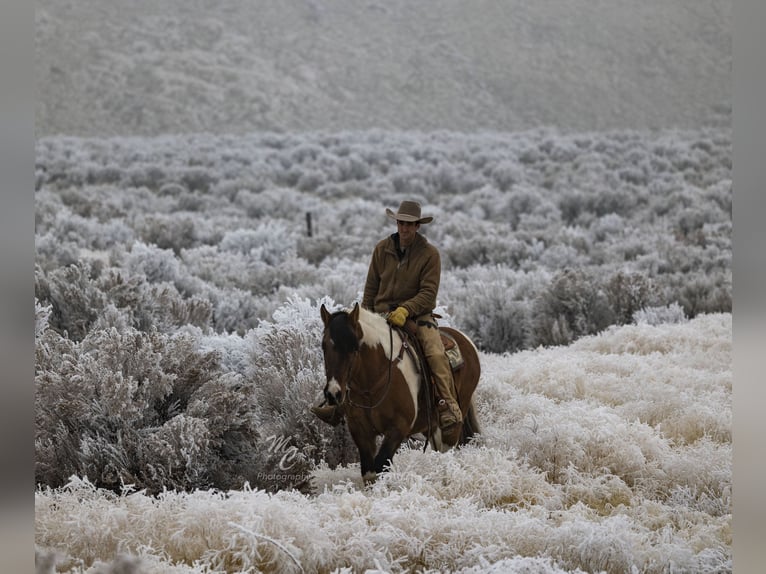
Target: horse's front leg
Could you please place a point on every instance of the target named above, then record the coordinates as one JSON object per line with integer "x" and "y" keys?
{"x": 392, "y": 440}
{"x": 364, "y": 439}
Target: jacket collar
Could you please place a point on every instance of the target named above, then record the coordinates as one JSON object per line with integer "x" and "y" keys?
{"x": 416, "y": 243}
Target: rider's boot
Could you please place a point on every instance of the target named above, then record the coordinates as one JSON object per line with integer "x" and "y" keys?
{"x": 450, "y": 415}
{"x": 331, "y": 414}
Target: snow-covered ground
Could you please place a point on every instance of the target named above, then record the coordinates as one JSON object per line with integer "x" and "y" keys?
{"x": 611, "y": 454}
{"x": 177, "y": 292}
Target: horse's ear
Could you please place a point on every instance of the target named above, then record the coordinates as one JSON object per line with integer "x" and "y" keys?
{"x": 355, "y": 313}
{"x": 325, "y": 314}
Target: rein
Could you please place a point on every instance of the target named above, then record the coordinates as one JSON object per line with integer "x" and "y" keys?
{"x": 387, "y": 389}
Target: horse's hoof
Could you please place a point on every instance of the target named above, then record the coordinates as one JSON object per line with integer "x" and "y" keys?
{"x": 369, "y": 478}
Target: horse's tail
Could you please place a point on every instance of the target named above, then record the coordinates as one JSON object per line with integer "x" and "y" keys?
{"x": 470, "y": 424}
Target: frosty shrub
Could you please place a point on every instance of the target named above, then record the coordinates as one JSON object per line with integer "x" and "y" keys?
{"x": 607, "y": 226}
{"x": 78, "y": 201}
{"x": 505, "y": 174}
{"x": 287, "y": 372}
{"x": 605, "y": 201}
{"x": 74, "y": 298}
{"x": 573, "y": 305}
{"x": 217, "y": 269}
{"x": 51, "y": 252}
{"x": 571, "y": 204}
{"x": 341, "y": 280}
{"x": 484, "y": 249}
{"x": 672, "y": 313}
{"x": 149, "y": 177}
{"x": 162, "y": 307}
{"x": 157, "y": 264}
{"x": 149, "y": 306}
{"x": 521, "y": 201}
{"x": 700, "y": 293}
{"x": 167, "y": 232}
{"x": 627, "y": 293}
{"x": 147, "y": 409}
{"x": 48, "y": 205}
{"x": 317, "y": 248}
{"x": 193, "y": 201}
{"x": 271, "y": 242}
{"x": 496, "y": 323}
{"x": 236, "y": 310}
{"x": 42, "y": 316}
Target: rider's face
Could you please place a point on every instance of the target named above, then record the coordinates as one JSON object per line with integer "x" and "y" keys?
{"x": 407, "y": 231}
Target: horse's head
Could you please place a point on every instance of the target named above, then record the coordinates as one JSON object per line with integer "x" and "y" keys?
{"x": 340, "y": 344}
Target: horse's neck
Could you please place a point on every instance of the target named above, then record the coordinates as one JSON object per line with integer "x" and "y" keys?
{"x": 377, "y": 332}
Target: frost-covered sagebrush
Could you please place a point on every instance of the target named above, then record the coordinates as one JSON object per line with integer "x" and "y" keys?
{"x": 177, "y": 287}
{"x": 612, "y": 454}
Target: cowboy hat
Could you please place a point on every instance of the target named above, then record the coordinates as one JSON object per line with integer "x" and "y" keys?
{"x": 409, "y": 211}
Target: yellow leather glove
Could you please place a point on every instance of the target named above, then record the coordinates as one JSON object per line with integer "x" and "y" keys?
{"x": 398, "y": 316}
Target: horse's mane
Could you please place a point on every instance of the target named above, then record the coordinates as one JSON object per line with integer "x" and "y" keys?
{"x": 374, "y": 330}
{"x": 343, "y": 337}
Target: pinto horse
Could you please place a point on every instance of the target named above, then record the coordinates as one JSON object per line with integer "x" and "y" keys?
{"x": 380, "y": 386}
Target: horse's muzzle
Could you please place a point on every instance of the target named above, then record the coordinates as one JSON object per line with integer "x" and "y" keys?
{"x": 332, "y": 393}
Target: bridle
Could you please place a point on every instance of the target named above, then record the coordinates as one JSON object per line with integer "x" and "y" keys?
{"x": 386, "y": 390}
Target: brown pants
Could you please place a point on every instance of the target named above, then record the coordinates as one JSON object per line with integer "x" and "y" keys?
{"x": 433, "y": 349}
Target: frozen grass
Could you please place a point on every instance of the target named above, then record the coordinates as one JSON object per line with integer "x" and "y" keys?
{"x": 612, "y": 454}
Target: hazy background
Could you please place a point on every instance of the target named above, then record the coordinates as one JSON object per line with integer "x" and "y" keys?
{"x": 146, "y": 68}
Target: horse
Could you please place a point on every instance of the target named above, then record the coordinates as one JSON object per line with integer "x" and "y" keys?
{"x": 380, "y": 387}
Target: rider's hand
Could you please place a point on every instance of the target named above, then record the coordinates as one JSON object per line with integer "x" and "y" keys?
{"x": 398, "y": 316}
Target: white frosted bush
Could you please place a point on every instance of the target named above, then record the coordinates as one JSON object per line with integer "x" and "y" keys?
{"x": 236, "y": 310}
{"x": 269, "y": 242}
{"x": 672, "y": 313}
{"x": 561, "y": 256}
{"x": 42, "y": 316}
{"x": 608, "y": 225}
{"x": 610, "y": 454}
{"x": 156, "y": 264}
{"x": 51, "y": 252}
{"x": 218, "y": 269}
{"x": 573, "y": 305}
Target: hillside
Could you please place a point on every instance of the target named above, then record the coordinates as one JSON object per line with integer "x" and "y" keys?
{"x": 180, "y": 66}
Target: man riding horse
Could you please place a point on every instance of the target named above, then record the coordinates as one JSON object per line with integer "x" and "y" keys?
{"x": 402, "y": 282}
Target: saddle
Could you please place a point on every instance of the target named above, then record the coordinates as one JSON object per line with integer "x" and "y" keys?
{"x": 451, "y": 348}
{"x": 453, "y": 351}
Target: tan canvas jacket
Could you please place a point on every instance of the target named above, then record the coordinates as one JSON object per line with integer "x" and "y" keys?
{"x": 411, "y": 283}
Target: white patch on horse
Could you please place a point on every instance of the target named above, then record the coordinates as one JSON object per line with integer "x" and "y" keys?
{"x": 407, "y": 367}
{"x": 333, "y": 387}
{"x": 377, "y": 332}
{"x": 437, "y": 443}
